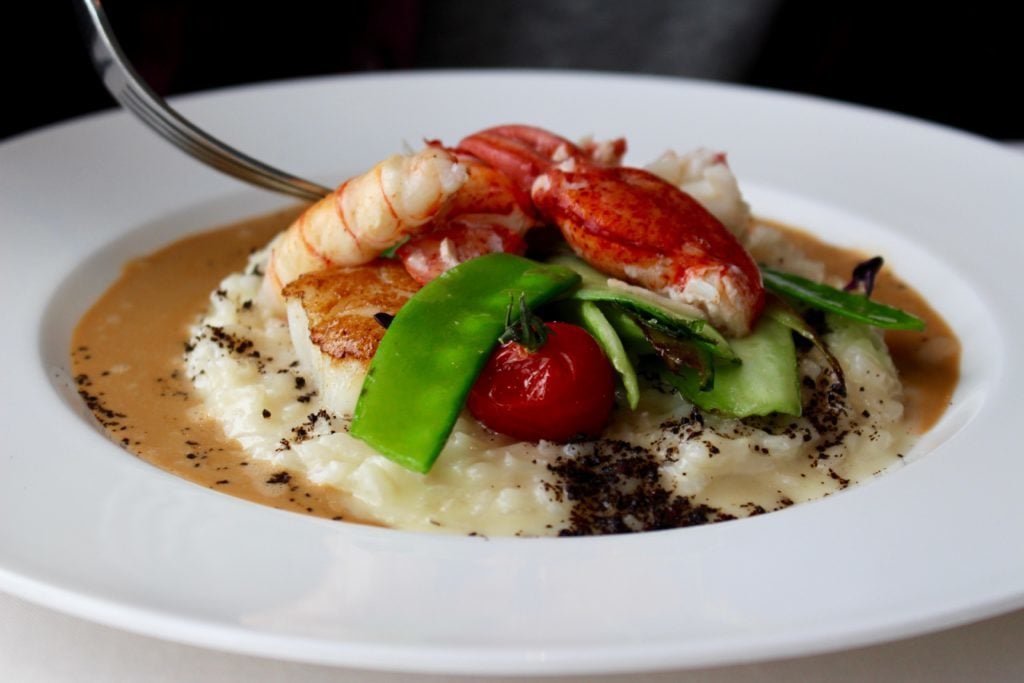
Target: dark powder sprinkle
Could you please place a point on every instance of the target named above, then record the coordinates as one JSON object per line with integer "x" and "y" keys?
{"x": 266, "y": 413}
{"x": 307, "y": 430}
{"x": 230, "y": 342}
{"x": 279, "y": 478}
{"x": 615, "y": 488}
{"x": 842, "y": 481}
{"x": 106, "y": 416}
{"x": 824, "y": 404}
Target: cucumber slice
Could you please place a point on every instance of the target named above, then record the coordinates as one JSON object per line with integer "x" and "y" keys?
{"x": 765, "y": 382}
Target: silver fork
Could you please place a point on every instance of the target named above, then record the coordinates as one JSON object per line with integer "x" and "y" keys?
{"x": 134, "y": 95}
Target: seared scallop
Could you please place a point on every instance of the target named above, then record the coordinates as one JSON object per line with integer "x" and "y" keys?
{"x": 331, "y": 318}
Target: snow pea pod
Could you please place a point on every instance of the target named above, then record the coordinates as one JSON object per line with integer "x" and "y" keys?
{"x": 849, "y": 305}
{"x": 436, "y": 346}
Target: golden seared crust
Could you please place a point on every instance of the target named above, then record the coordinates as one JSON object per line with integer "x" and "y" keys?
{"x": 340, "y": 304}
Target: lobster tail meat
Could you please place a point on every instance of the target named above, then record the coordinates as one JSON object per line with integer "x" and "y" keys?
{"x": 628, "y": 222}
{"x": 634, "y": 226}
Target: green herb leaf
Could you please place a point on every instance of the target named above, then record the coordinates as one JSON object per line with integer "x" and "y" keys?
{"x": 392, "y": 251}
{"x": 853, "y": 306}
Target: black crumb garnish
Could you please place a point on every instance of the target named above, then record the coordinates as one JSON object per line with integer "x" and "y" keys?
{"x": 279, "y": 478}
{"x": 615, "y": 487}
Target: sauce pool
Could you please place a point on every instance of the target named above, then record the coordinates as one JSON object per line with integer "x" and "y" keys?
{"x": 127, "y": 359}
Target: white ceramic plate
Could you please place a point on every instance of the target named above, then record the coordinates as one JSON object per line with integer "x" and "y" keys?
{"x": 87, "y": 529}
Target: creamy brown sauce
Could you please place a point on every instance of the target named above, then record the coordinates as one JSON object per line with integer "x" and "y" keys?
{"x": 127, "y": 358}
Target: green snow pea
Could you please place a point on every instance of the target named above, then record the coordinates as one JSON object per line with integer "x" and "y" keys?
{"x": 590, "y": 316}
{"x": 847, "y": 304}
{"x": 436, "y": 346}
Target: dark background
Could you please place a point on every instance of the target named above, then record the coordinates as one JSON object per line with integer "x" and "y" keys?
{"x": 959, "y": 65}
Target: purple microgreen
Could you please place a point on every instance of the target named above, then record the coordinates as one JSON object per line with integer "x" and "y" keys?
{"x": 864, "y": 275}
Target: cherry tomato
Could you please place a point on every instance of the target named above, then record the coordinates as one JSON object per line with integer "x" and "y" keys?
{"x": 563, "y": 390}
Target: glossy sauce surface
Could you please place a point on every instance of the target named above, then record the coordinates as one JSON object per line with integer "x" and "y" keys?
{"x": 127, "y": 358}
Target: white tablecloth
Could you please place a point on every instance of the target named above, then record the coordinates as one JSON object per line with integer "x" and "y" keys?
{"x": 37, "y": 644}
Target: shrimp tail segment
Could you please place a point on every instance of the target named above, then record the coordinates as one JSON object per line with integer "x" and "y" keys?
{"x": 366, "y": 215}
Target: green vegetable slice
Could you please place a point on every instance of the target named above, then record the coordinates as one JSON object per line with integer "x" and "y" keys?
{"x": 436, "y": 346}
{"x": 783, "y": 314}
{"x": 593, "y": 319}
{"x": 765, "y": 382}
{"x": 651, "y": 308}
{"x": 630, "y": 333}
{"x": 854, "y": 306}
{"x": 683, "y": 356}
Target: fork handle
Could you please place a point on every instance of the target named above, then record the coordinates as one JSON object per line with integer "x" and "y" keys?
{"x": 128, "y": 88}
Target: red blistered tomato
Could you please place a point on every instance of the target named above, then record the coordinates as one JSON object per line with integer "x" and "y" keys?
{"x": 562, "y": 391}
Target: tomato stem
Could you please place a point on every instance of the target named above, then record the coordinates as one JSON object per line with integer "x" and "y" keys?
{"x": 528, "y": 330}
